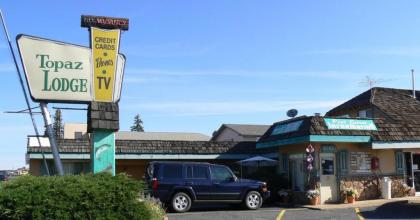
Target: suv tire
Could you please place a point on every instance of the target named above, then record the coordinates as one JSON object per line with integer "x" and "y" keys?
{"x": 253, "y": 200}
{"x": 181, "y": 202}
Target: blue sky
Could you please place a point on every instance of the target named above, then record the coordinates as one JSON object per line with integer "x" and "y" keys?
{"x": 193, "y": 65}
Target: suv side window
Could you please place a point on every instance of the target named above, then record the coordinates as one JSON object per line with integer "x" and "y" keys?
{"x": 172, "y": 171}
{"x": 220, "y": 173}
{"x": 197, "y": 172}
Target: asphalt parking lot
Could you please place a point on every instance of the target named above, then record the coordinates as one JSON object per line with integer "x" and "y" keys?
{"x": 393, "y": 210}
{"x": 225, "y": 212}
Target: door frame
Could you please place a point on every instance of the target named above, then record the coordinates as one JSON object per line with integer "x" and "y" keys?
{"x": 334, "y": 189}
{"x": 417, "y": 193}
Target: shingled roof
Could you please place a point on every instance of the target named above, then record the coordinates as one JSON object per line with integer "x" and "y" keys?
{"x": 315, "y": 125}
{"x": 398, "y": 104}
{"x": 162, "y": 136}
{"x": 243, "y": 129}
{"x": 155, "y": 147}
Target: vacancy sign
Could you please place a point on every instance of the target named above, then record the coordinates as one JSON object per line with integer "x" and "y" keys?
{"x": 105, "y": 45}
{"x": 62, "y": 72}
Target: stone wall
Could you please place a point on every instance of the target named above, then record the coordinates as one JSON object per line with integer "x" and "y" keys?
{"x": 369, "y": 187}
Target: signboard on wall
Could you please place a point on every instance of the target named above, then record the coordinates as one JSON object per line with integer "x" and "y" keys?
{"x": 103, "y": 152}
{"x": 350, "y": 124}
{"x": 61, "y": 72}
{"x": 360, "y": 162}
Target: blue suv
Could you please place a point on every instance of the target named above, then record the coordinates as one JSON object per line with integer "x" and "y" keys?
{"x": 180, "y": 184}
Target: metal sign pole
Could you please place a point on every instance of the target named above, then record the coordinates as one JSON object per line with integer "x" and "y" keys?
{"x": 24, "y": 91}
{"x": 50, "y": 132}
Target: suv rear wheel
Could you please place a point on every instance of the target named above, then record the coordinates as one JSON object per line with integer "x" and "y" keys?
{"x": 253, "y": 200}
{"x": 181, "y": 202}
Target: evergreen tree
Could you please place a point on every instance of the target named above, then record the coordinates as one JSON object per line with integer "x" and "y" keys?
{"x": 138, "y": 124}
{"x": 58, "y": 125}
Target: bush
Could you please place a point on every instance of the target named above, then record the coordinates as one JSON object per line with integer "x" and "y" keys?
{"x": 99, "y": 196}
{"x": 155, "y": 206}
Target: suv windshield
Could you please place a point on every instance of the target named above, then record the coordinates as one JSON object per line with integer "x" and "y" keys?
{"x": 220, "y": 173}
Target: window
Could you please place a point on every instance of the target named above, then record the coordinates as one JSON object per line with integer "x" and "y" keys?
{"x": 327, "y": 165}
{"x": 366, "y": 113}
{"x": 399, "y": 162}
{"x": 200, "y": 172}
{"x": 78, "y": 135}
{"x": 189, "y": 172}
{"x": 342, "y": 162}
{"x": 172, "y": 171}
{"x": 197, "y": 172}
{"x": 220, "y": 173}
{"x": 286, "y": 128}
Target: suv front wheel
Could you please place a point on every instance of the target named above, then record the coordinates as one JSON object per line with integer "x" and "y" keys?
{"x": 253, "y": 200}
{"x": 181, "y": 202}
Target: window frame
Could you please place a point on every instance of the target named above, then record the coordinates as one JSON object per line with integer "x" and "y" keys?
{"x": 220, "y": 166}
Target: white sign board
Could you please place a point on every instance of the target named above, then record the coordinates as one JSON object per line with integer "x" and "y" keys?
{"x": 61, "y": 72}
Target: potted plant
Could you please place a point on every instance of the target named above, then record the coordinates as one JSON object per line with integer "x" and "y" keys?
{"x": 313, "y": 196}
{"x": 351, "y": 195}
{"x": 284, "y": 195}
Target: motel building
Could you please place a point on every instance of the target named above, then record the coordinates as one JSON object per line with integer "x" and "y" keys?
{"x": 372, "y": 138}
{"x": 374, "y": 135}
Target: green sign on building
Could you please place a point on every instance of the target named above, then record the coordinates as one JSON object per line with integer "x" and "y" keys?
{"x": 350, "y": 124}
{"x": 103, "y": 152}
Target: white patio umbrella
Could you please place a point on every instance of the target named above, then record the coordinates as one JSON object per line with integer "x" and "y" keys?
{"x": 257, "y": 161}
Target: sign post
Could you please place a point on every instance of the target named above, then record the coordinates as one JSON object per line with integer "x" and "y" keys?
{"x": 51, "y": 136}
{"x": 103, "y": 111}
{"x": 309, "y": 159}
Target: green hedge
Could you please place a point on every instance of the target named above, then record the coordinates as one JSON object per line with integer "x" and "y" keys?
{"x": 100, "y": 196}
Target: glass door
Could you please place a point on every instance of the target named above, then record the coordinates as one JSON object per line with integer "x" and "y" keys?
{"x": 416, "y": 171}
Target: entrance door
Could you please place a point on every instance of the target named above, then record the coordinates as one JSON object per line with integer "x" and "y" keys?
{"x": 328, "y": 178}
{"x": 297, "y": 174}
{"x": 416, "y": 172}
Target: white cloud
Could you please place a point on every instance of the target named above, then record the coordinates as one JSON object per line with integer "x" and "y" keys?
{"x": 229, "y": 107}
{"x": 391, "y": 51}
{"x": 159, "y": 73}
{"x": 166, "y": 50}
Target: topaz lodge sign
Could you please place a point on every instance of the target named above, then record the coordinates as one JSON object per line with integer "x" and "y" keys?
{"x": 61, "y": 72}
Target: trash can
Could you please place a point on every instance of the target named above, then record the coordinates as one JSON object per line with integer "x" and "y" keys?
{"x": 386, "y": 187}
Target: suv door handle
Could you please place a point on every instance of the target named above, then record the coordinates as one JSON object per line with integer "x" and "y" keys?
{"x": 188, "y": 183}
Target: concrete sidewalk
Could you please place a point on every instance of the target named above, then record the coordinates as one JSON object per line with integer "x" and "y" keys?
{"x": 365, "y": 203}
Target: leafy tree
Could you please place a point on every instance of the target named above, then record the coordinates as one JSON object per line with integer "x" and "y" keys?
{"x": 138, "y": 124}
{"x": 58, "y": 124}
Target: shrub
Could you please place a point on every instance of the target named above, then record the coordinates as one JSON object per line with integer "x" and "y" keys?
{"x": 155, "y": 206}
{"x": 99, "y": 196}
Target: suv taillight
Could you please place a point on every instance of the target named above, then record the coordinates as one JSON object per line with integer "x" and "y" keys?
{"x": 155, "y": 184}
{"x": 264, "y": 187}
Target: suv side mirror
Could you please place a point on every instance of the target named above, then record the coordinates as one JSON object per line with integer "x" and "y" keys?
{"x": 233, "y": 179}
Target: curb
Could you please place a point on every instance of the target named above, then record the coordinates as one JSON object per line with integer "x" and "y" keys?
{"x": 354, "y": 205}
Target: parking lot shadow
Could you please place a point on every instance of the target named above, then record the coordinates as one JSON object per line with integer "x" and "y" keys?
{"x": 204, "y": 207}
{"x": 393, "y": 210}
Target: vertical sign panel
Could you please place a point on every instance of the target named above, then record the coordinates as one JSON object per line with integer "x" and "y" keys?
{"x": 105, "y": 46}
{"x": 103, "y": 152}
